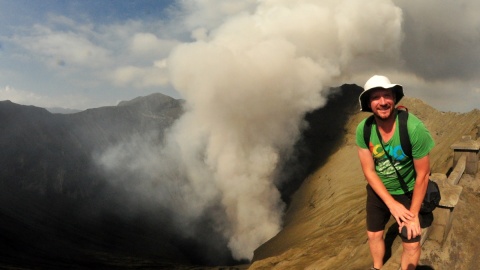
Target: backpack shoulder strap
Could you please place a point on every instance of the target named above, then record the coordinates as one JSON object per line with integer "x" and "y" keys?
{"x": 367, "y": 130}
{"x": 404, "y": 138}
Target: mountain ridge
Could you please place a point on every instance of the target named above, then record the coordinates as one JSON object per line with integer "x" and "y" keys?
{"x": 57, "y": 209}
{"x": 54, "y": 196}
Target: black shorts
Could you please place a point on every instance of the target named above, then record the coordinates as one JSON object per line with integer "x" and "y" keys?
{"x": 378, "y": 213}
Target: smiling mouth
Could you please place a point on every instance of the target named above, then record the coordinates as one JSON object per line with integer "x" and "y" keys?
{"x": 384, "y": 109}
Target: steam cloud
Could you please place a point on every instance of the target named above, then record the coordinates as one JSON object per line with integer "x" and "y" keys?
{"x": 247, "y": 85}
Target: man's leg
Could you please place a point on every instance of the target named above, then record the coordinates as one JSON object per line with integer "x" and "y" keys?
{"x": 410, "y": 255}
{"x": 377, "y": 247}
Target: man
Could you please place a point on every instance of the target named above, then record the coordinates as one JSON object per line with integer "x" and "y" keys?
{"x": 385, "y": 195}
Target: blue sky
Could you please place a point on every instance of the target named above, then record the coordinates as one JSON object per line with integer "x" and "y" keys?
{"x": 88, "y": 53}
{"x": 100, "y": 11}
{"x": 65, "y": 53}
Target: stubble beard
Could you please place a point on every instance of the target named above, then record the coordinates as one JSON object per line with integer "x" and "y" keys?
{"x": 382, "y": 116}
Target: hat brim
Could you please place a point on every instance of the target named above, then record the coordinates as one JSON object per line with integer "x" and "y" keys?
{"x": 365, "y": 96}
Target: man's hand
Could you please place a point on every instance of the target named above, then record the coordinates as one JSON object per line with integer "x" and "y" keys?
{"x": 413, "y": 228}
{"x": 400, "y": 213}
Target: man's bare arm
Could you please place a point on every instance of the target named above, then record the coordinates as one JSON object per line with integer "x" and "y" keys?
{"x": 399, "y": 212}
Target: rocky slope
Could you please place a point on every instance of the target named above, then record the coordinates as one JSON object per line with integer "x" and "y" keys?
{"x": 325, "y": 223}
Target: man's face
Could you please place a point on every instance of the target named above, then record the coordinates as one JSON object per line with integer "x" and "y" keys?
{"x": 382, "y": 102}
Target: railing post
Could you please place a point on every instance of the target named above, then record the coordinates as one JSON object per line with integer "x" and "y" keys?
{"x": 443, "y": 215}
{"x": 470, "y": 148}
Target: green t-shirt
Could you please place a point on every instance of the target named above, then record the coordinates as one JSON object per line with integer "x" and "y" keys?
{"x": 421, "y": 141}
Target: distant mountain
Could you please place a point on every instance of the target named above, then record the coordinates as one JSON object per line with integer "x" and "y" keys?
{"x": 62, "y": 110}
{"x": 56, "y": 209}
{"x": 51, "y": 153}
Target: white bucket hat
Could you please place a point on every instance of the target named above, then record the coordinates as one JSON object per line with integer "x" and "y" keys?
{"x": 378, "y": 81}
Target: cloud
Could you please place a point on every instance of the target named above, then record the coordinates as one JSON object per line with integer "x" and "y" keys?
{"x": 438, "y": 43}
{"x": 444, "y": 93}
{"x": 140, "y": 77}
{"x": 441, "y": 39}
{"x": 148, "y": 65}
{"x": 148, "y": 44}
{"x": 31, "y": 98}
{"x": 112, "y": 59}
{"x": 208, "y": 14}
{"x": 68, "y": 47}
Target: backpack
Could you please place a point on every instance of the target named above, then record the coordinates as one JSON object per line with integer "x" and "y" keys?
{"x": 402, "y": 113}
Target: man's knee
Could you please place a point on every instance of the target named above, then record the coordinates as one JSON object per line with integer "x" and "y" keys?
{"x": 375, "y": 235}
{"x": 411, "y": 248}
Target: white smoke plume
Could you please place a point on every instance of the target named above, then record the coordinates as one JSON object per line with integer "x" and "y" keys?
{"x": 248, "y": 83}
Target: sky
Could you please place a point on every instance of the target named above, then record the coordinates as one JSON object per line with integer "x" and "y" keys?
{"x": 248, "y": 71}
{"x": 83, "y": 54}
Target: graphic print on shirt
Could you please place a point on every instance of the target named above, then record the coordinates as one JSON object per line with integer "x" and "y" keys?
{"x": 382, "y": 163}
